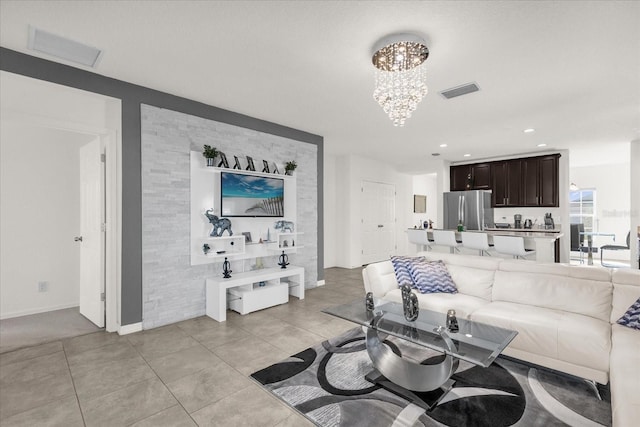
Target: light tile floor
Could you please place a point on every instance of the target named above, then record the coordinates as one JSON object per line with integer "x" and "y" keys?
{"x": 195, "y": 372}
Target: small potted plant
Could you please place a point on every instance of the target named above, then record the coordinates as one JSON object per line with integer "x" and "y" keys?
{"x": 210, "y": 153}
{"x": 289, "y": 167}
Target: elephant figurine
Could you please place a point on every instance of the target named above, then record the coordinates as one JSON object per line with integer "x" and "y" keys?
{"x": 219, "y": 224}
{"x": 284, "y": 226}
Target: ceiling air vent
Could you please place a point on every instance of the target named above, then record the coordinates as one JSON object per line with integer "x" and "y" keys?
{"x": 460, "y": 90}
{"x": 63, "y": 48}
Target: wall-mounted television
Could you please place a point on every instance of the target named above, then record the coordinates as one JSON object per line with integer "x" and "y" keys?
{"x": 250, "y": 195}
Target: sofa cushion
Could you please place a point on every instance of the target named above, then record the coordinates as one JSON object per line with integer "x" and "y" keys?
{"x": 401, "y": 265}
{"x": 379, "y": 278}
{"x": 576, "y": 271}
{"x": 473, "y": 275}
{"x": 631, "y": 319}
{"x": 626, "y": 290}
{"x": 462, "y": 304}
{"x": 554, "y": 292}
{"x": 431, "y": 277}
{"x": 625, "y": 376}
{"x": 570, "y": 337}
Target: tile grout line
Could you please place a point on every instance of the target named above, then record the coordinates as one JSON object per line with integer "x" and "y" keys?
{"x": 75, "y": 391}
{"x": 166, "y": 386}
{"x": 162, "y": 382}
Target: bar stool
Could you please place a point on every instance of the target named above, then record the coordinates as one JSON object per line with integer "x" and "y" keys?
{"x": 446, "y": 238}
{"x": 478, "y": 241}
{"x": 511, "y": 245}
{"x": 419, "y": 237}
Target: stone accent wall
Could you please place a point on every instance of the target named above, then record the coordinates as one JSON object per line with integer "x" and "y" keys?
{"x": 172, "y": 289}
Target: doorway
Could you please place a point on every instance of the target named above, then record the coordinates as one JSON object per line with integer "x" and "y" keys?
{"x": 378, "y": 221}
{"x": 34, "y": 285}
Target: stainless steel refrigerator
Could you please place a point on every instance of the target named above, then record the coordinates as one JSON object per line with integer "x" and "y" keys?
{"x": 471, "y": 208}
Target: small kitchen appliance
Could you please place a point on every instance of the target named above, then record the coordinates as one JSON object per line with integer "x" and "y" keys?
{"x": 528, "y": 224}
{"x": 517, "y": 221}
{"x": 548, "y": 222}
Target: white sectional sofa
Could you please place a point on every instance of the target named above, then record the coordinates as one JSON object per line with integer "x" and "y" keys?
{"x": 565, "y": 315}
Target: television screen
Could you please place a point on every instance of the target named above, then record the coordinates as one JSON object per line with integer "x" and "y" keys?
{"x": 249, "y": 195}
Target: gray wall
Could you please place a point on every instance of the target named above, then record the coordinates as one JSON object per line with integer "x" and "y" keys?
{"x": 132, "y": 96}
{"x": 173, "y": 289}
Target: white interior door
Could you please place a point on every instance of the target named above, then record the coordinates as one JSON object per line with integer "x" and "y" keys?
{"x": 91, "y": 223}
{"x": 378, "y": 221}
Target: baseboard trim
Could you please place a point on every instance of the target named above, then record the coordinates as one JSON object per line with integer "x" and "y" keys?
{"x": 38, "y": 310}
{"x": 130, "y": 329}
{"x": 320, "y": 283}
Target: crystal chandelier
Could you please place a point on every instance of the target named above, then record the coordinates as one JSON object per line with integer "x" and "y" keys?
{"x": 400, "y": 75}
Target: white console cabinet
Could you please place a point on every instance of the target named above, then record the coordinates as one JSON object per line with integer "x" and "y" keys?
{"x": 244, "y": 294}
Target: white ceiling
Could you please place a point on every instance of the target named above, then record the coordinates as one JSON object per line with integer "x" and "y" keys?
{"x": 571, "y": 70}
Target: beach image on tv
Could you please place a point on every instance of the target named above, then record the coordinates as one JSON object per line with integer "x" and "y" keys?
{"x": 248, "y": 195}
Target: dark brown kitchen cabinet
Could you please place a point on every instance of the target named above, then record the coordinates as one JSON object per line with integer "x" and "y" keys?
{"x": 458, "y": 177}
{"x": 481, "y": 176}
{"x": 540, "y": 181}
{"x": 470, "y": 177}
{"x": 506, "y": 183}
{"x": 531, "y": 181}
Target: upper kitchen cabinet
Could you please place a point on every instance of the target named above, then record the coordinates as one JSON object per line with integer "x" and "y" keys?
{"x": 506, "y": 183}
{"x": 531, "y": 181}
{"x": 470, "y": 177}
{"x": 459, "y": 175}
{"x": 481, "y": 175}
{"x": 540, "y": 181}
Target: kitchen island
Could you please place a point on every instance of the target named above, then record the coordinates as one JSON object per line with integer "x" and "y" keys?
{"x": 544, "y": 242}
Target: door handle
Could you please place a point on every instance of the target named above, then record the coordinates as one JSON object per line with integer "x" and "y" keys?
{"x": 77, "y": 239}
{"x": 380, "y": 226}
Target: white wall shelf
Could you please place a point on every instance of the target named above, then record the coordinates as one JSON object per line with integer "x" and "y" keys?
{"x": 292, "y": 240}
{"x": 214, "y": 169}
{"x": 230, "y": 246}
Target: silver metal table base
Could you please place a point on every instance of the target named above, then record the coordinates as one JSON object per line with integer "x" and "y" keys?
{"x": 406, "y": 378}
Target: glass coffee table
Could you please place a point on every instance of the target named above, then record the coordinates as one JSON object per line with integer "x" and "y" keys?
{"x": 424, "y": 385}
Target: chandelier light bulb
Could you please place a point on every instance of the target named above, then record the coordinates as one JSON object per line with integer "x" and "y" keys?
{"x": 400, "y": 81}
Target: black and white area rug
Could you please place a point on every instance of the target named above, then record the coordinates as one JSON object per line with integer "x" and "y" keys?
{"x": 327, "y": 384}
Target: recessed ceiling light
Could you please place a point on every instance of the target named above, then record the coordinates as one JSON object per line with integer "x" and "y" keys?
{"x": 530, "y": 130}
{"x": 542, "y": 145}
{"x": 443, "y": 145}
{"x": 467, "y": 155}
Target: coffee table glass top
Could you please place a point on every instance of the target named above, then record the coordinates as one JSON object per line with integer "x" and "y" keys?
{"x": 475, "y": 342}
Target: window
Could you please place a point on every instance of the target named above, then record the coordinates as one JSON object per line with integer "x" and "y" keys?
{"x": 582, "y": 208}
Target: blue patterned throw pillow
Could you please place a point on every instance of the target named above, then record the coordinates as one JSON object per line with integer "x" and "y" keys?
{"x": 432, "y": 277}
{"x": 631, "y": 319}
{"x": 401, "y": 266}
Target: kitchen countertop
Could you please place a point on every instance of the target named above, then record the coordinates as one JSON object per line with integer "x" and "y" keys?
{"x": 531, "y": 234}
{"x": 525, "y": 230}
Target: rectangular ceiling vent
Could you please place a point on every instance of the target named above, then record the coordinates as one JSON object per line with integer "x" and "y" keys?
{"x": 63, "y": 48}
{"x": 460, "y": 90}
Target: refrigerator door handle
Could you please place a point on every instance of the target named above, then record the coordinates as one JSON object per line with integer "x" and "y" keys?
{"x": 462, "y": 210}
{"x": 459, "y": 208}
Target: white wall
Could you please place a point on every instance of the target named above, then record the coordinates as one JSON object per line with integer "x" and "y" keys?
{"x": 634, "y": 220}
{"x": 426, "y": 185}
{"x": 330, "y": 211}
{"x": 612, "y": 186}
{"x": 351, "y": 171}
{"x": 39, "y": 217}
